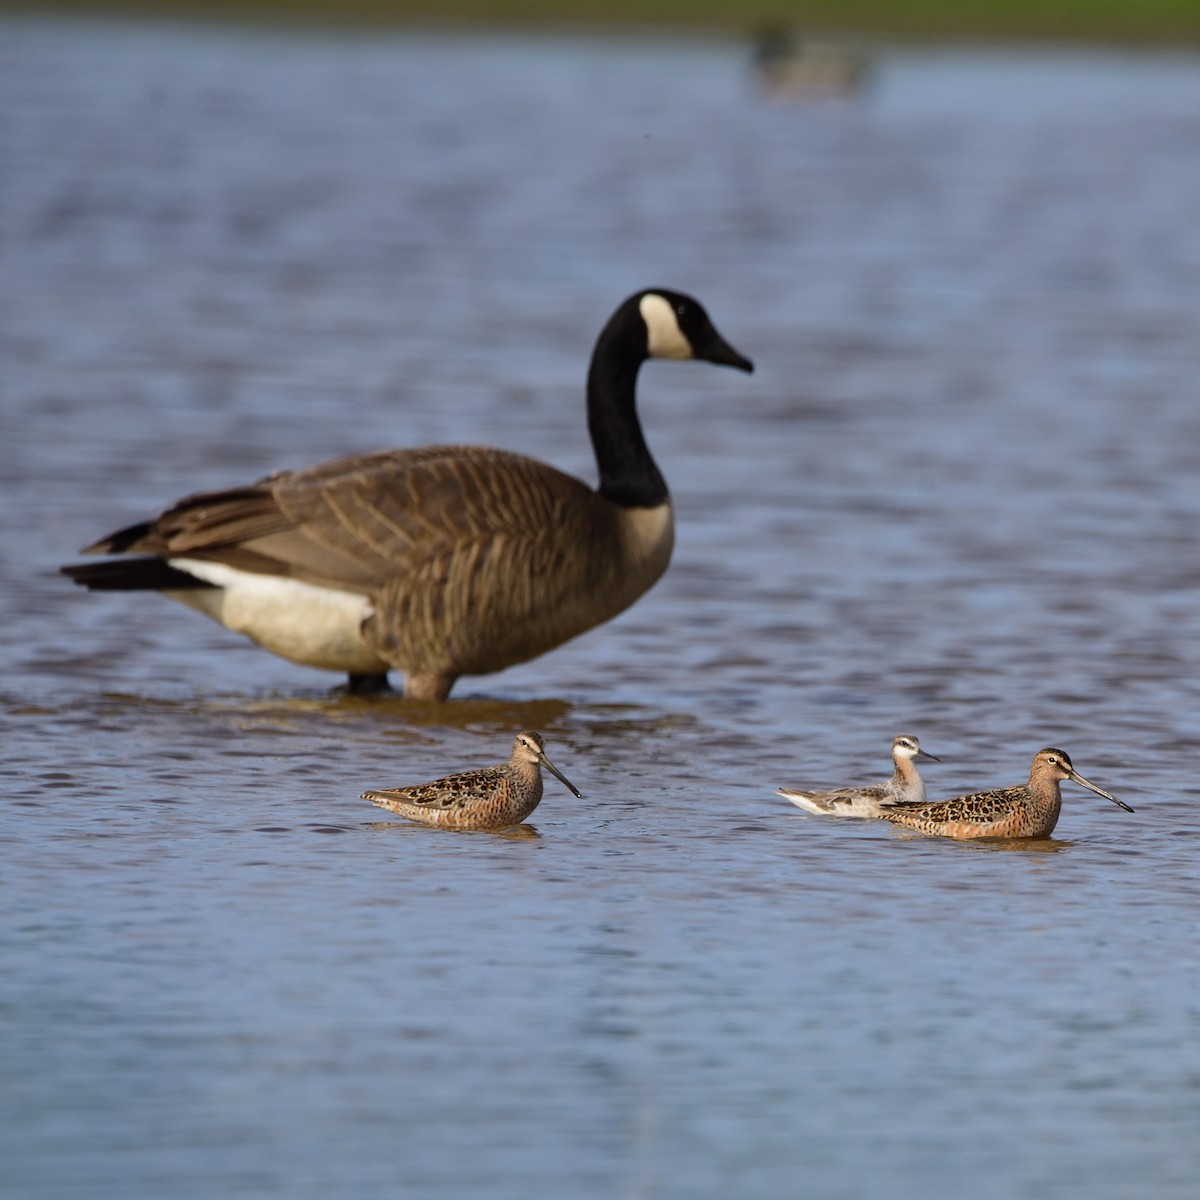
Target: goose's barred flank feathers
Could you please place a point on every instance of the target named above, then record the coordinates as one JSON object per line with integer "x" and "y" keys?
{"x": 441, "y": 561}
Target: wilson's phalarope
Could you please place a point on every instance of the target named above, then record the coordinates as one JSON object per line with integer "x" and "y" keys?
{"x": 905, "y": 785}
{"x": 487, "y": 798}
{"x": 1029, "y": 810}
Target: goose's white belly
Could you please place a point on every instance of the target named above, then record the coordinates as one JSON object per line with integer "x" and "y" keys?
{"x": 316, "y": 626}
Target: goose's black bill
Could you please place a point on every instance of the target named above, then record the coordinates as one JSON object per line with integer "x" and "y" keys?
{"x": 718, "y": 350}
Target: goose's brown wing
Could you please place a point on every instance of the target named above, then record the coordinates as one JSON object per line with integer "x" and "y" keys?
{"x": 361, "y": 522}
{"x": 474, "y": 558}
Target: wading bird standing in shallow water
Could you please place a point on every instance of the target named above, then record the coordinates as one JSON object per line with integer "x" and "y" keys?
{"x": 867, "y": 802}
{"x": 489, "y": 798}
{"x": 1029, "y": 810}
{"x": 438, "y": 562}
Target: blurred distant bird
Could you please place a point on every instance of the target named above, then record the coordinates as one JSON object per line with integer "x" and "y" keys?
{"x": 791, "y": 69}
{"x": 438, "y": 562}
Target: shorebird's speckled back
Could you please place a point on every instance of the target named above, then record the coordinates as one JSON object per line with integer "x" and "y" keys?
{"x": 1026, "y": 811}
{"x": 487, "y": 798}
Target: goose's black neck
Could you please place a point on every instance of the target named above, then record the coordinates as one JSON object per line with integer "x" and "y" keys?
{"x": 629, "y": 475}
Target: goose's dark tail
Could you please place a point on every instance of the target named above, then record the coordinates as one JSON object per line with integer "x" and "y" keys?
{"x": 132, "y": 575}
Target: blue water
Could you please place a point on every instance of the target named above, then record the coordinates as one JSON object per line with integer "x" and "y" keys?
{"x": 958, "y": 498}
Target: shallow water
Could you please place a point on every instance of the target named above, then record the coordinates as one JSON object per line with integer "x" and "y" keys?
{"x": 957, "y": 498}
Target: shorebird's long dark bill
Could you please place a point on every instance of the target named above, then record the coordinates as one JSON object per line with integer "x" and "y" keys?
{"x": 926, "y": 754}
{"x": 565, "y": 781}
{"x": 1091, "y": 787}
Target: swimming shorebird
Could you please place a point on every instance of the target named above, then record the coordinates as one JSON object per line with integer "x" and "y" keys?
{"x": 438, "y": 562}
{"x": 866, "y": 802}
{"x": 488, "y": 798}
{"x": 1029, "y": 810}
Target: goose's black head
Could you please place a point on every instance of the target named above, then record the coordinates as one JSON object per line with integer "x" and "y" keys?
{"x": 655, "y": 323}
{"x": 678, "y": 327}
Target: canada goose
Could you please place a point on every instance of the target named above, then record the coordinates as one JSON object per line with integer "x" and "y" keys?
{"x": 441, "y": 561}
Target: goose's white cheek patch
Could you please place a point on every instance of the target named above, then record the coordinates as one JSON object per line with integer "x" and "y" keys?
{"x": 666, "y": 338}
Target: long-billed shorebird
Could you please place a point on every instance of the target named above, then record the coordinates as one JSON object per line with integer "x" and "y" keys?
{"x": 867, "y": 801}
{"x": 487, "y": 798}
{"x": 438, "y": 562}
{"x": 1029, "y": 810}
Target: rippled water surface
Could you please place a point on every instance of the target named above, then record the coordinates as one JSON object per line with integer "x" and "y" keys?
{"x": 959, "y": 498}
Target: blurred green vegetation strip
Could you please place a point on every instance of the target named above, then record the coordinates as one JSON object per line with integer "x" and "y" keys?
{"x": 1162, "y": 21}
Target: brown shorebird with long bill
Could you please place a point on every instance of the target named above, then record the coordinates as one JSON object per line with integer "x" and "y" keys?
{"x": 487, "y": 798}
{"x": 1029, "y": 810}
